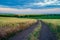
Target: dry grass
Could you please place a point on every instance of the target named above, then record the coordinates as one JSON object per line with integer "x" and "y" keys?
{"x": 10, "y": 25}
{"x": 14, "y": 20}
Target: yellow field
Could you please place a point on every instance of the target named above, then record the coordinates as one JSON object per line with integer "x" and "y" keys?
{"x": 14, "y": 20}
{"x": 54, "y": 21}
{"x": 10, "y": 25}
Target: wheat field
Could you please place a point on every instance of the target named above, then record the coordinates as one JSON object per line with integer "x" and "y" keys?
{"x": 9, "y": 25}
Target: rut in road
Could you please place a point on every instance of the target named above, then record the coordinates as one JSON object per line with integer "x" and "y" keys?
{"x": 45, "y": 33}
{"x": 24, "y": 34}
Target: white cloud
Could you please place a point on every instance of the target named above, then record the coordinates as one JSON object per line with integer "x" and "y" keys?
{"x": 29, "y": 11}
{"x": 47, "y": 2}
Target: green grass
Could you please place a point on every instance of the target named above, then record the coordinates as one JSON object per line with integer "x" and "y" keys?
{"x": 54, "y": 25}
{"x": 35, "y": 34}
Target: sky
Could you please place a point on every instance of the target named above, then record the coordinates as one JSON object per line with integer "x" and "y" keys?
{"x": 30, "y": 6}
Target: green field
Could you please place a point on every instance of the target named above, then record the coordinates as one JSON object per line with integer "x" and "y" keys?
{"x": 33, "y": 16}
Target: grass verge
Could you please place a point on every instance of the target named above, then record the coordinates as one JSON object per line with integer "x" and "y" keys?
{"x": 35, "y": 34}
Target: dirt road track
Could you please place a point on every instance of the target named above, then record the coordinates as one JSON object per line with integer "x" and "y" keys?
{"x": 24, "y": 34}
{"x": 45, "y": 33}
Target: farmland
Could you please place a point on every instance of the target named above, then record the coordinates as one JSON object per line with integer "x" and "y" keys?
{"x": 9, "y": 26}
{"x": 12, "y": 24}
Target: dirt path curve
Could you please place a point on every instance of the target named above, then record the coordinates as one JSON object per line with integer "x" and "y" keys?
{"x": 45, "y": 33}
{"x": 24, "y": 34}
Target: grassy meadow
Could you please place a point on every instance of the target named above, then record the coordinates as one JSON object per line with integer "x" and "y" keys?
{"x": 9, "y": 26}
{"x": 54, "y": 25}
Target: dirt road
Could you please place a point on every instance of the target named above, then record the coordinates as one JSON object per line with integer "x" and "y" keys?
{"x": 45, "y": 33}
{"x": 24, "y": 34}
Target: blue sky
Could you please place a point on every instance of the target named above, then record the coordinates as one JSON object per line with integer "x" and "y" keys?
{"x": 29, "y": 6}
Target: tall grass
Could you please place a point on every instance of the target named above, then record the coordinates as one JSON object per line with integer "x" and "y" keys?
{"x": 10, "y": 26}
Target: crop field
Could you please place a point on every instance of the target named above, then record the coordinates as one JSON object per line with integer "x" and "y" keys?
{"x": 54, "y": 26}
{"x": 10, "y": 26}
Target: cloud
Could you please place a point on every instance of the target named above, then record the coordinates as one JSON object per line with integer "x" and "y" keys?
{"x": 13, "y": 10}
{"x": 33, "y": 4}
{"x": 29, "y": 6}
{"x": 47, "y": 2}
{"x": 29, "y": 11}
